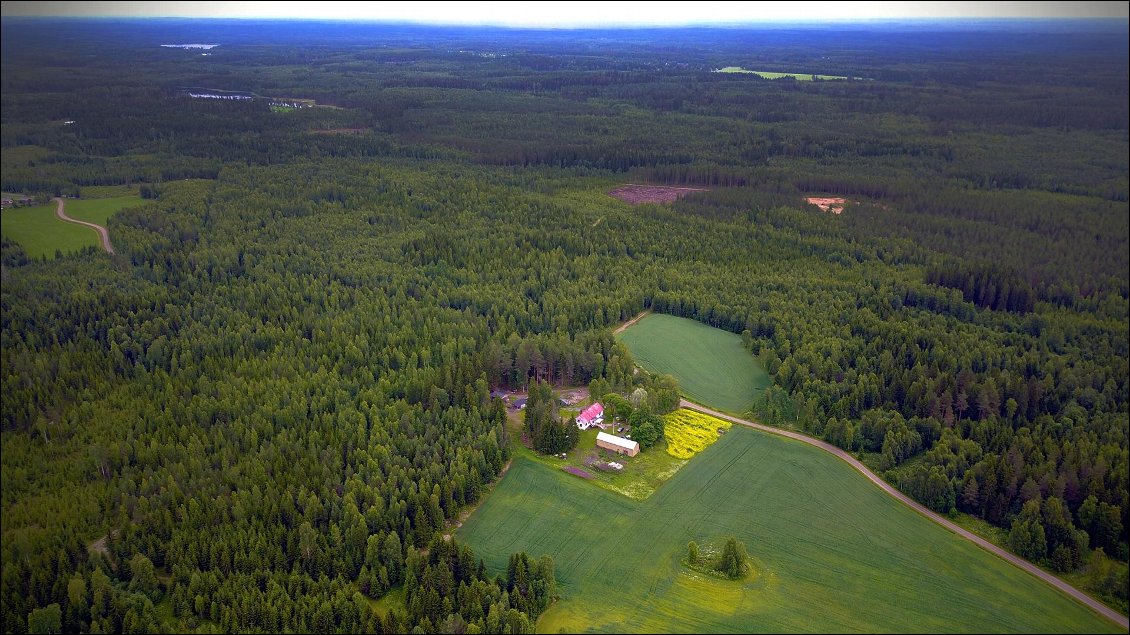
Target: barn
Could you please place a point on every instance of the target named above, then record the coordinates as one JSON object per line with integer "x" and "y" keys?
{"x": 619, "y": 445}
{"x": 591, "y": 416}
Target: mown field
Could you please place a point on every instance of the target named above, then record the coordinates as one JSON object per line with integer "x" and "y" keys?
{"x": 804, "y": 77}
{"x": 711, "y": 365}
{"x": 819, "y": 533}
{"x": 41, "y": 234}
{"x": 99, "y": 210}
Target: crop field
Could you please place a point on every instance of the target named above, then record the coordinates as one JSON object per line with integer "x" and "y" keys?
{"x": 712, "y": 366}
{"x": 99, "y": 210}
{"x": 688, "y": 432}
{"x": 40, "y": 233}
{"x": 804, "y": 77}
{"x": 821, "y": 535}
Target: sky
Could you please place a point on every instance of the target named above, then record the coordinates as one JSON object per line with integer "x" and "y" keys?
{"x": 572, "y": 14}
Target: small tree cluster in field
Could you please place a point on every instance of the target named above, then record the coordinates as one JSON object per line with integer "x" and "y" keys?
{"x": 732, "y": 563}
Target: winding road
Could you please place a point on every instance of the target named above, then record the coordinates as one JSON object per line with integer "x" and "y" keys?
{"x": 1095, "y": 605}
{"x": 102, "y": 232}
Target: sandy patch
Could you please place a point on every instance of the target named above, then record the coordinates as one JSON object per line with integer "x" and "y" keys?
{"x": 832, "y": 205}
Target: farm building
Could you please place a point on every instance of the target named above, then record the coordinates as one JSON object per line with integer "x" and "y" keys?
{"x": 619, "y": 445}
{"x": 518, "y": 404}
{"x": 591, "y": 416}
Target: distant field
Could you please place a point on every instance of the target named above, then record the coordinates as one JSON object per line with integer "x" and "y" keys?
{"x": 804, "y": 77}
{"x": 99, "y": 210}
{"x": 40, "y": 233}
{"x": 834, "y": 553}
{"x": 712, "y": 366}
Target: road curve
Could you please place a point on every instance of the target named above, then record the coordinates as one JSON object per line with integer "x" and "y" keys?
{"x": 1095, "y": 605}
{"x": 102, "y": 232}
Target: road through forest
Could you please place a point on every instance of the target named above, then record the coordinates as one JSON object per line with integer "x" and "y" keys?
{"x": 102, "y": 232}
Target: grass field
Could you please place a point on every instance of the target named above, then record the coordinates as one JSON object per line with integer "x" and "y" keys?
{"x": 99, "y": 210}
{"x": 804, "y": 77}
{"x": 641, "y": 477}
{"x": 712, "y": 366}
{"x": 833, "y": 552}
{"x": 40, "y": 233}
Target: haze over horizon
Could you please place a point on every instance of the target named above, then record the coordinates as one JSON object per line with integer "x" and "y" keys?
{"x": 576, "y": 14}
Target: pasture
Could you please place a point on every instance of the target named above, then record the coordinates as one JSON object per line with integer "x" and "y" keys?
{"x": 712, "y": 366}
{"x": 833, "y": 552}
{"x": 99, "y": 210}
{"x": 40, "y": 234}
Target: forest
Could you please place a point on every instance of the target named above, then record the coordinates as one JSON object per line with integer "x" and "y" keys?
{"x": 267, "y": 409}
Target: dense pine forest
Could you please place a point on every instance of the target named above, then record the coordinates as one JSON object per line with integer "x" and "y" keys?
{"x": 266, "y": 411}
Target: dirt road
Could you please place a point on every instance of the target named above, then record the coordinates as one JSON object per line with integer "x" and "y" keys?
{"x": 105, "y": 235}
{"x": 630, "y": 322}
{"x": 1095, "y": 605}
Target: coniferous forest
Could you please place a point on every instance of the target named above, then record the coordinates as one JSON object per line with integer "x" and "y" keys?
{"x": 269, "y": 407}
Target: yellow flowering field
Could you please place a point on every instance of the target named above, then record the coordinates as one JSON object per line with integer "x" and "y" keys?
{"x": 689, "y": 432}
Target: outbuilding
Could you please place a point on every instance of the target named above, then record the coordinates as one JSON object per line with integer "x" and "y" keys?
{"x": 619, "y": 445}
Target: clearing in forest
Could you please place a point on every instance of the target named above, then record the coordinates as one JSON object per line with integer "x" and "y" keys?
{"x": 804, "y": 77}
{"x": 659, "y": 194}
{"x": 834, "y": 553}
{"x": 99, "y": 210}
{"x": 40, "y": 233}
{"x": 832, "y": 204}
{"x": 712, "y": 366}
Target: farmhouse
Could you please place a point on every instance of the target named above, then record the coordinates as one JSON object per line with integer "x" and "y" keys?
{"x": 619, "y": 445}
{"x": 591, "y": 416}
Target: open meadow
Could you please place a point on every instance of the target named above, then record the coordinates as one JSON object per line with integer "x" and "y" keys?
{"x": 99, "y": 210}
{"x": 712, "y": 366}
{"x": 819, "y": 535}
{"x": 37, "y": 230}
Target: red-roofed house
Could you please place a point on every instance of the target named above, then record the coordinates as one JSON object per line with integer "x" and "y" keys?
{"x": 591, "y": 416}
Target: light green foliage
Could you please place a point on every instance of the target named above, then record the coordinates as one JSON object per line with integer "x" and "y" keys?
{"x": 40, "y": 233}
{"x": 710, "y": 364}
{"x": 99, "y": 210}
{"x": 48, "y": 619}
{"x": 821, "y": 531}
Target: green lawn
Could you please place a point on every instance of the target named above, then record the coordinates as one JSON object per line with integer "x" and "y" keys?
{"x": 804, "y": 77}
{"x": 40, "y": 233}
{"x": 833, "y": 553}
{"x": 640, "y": 477}
{"x": 712, "y": 366}
{"x": 99, "y": 210}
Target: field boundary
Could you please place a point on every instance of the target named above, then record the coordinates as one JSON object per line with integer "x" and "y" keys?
{"x": 1092, "y": 603}
{"x": 103, "y": 233}
{"x": 623, "y": 327}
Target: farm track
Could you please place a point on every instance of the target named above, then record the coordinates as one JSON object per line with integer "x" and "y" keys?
{"x": 1094, "y": 604}
{"x": 102, "y": 231}
{"x": 625, "y": 325}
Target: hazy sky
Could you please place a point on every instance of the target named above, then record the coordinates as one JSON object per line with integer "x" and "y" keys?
{"x": 551, "y": 14}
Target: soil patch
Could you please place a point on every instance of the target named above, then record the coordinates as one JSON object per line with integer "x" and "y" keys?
{"x": 639, "y": 194}
{"x": 827, "y": 204}
{"x": 576, "y": 471}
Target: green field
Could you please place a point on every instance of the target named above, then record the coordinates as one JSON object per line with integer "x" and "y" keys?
{"x": 804, "y": 77}
{"x": 712, "y": 366}
{"x": 99, "y": 210}
{"x": 40, "y": 233}
{"x": 833, "y": 553}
